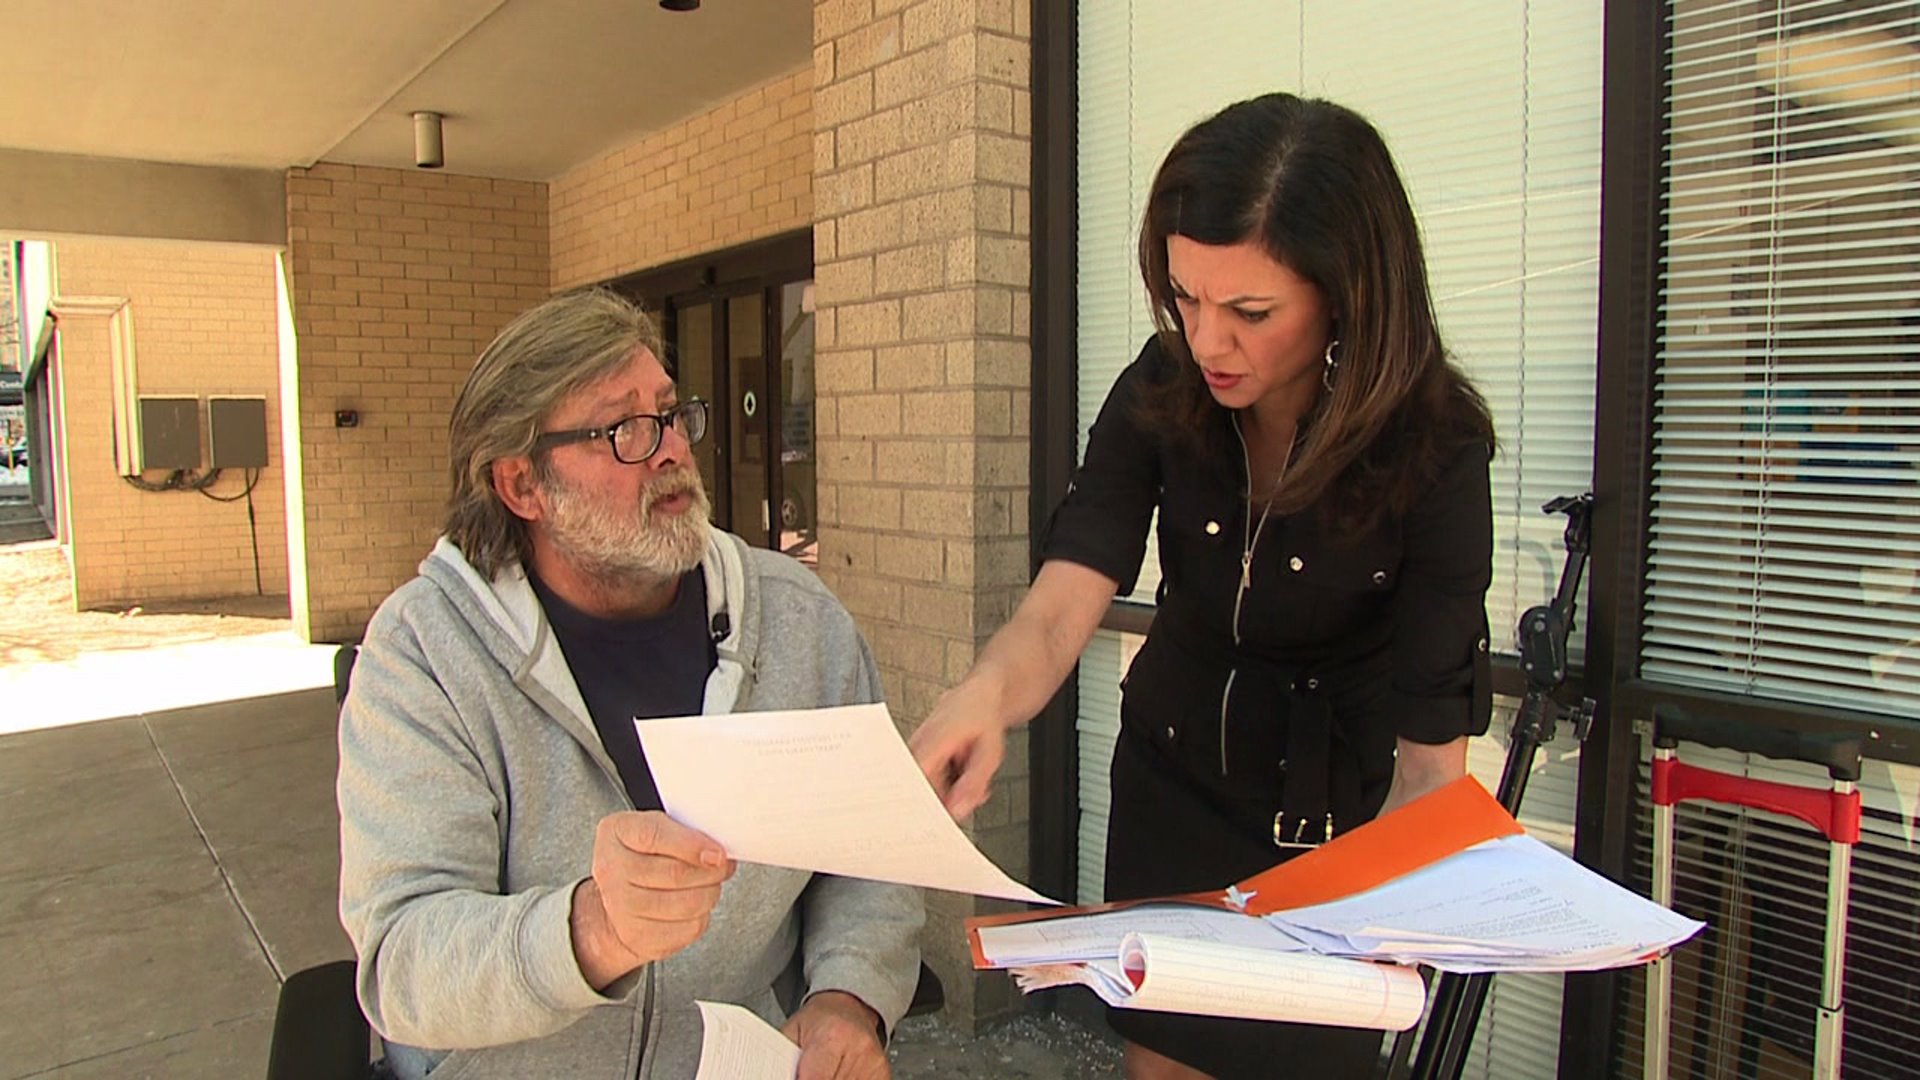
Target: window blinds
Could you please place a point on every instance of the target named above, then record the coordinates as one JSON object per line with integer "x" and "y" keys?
{"x": 1784, "y": 546}
{"x": 1784, "y": 552}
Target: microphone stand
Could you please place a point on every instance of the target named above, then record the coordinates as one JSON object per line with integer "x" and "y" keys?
{"x": 1457, "y": 999}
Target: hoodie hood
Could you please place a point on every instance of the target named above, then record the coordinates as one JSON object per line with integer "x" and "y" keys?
{"x": 525, "y": 645}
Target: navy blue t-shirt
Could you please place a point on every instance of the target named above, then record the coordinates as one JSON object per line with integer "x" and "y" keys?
{"x": 629, "y": 668}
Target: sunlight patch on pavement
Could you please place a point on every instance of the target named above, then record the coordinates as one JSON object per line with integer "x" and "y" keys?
{"x": 132, "y": 682}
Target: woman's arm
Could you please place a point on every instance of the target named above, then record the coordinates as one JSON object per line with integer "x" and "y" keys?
{"x": 1440, "y": 672}
{"x": 1419, "y": 768}
{"x": 962, "y": 743}
{"x": 1092, "y": 549}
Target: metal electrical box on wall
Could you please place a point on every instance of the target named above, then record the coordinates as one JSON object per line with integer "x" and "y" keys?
{"x": 237, "y": 432}
{"x": 169, "y": 433}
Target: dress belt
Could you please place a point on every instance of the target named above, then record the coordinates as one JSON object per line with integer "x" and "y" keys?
{"x": 1305, "y": 818}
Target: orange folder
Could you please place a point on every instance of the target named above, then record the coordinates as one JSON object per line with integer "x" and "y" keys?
{"x": 1421, "y": 833}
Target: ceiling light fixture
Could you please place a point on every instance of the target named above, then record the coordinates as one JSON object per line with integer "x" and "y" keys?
{"x": 428, "y": 150}
{"x": 680, "y": 5}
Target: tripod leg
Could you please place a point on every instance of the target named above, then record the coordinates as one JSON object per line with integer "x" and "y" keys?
{"x": 1445, "y": 1058}
{"x": 1457, "y": 999}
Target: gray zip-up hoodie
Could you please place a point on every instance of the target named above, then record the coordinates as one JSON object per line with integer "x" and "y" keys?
{"x": 471, "y": 782}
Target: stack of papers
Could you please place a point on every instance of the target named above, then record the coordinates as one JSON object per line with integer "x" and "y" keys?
{"x": 1448, "y": 881}
{"x": 1512, "y": 904}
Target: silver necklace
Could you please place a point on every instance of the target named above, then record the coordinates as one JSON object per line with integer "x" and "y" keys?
{"x": 1250, "y": 533}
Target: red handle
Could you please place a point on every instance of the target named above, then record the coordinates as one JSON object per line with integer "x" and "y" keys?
{"x": 1836, "y": 816}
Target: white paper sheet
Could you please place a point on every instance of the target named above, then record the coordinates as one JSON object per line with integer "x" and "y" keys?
{"x": 1103, "y": 977}
{"x": 735, "y": 1044}
{"x": 829, "y": 790}
{"x": 1511, "y": 904}
{"x": 1216, "y": 979}
{"x": 1095, "y": 937}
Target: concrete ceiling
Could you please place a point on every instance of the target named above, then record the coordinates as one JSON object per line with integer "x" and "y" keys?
{"x": 530, "y": 88}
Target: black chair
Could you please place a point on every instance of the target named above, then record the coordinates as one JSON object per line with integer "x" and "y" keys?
{"x": 319, "y": 1032}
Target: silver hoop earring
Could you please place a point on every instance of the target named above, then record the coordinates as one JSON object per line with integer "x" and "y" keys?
{"x": 1331, "y": 364}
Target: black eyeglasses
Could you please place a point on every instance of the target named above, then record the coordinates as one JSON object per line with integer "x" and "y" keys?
{"x": 634, "y": 439}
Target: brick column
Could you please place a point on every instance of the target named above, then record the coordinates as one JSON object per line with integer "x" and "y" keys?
{"x": 921, "y": 151}
{"x": 399, "y": 279}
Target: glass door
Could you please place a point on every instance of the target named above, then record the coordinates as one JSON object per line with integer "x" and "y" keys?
{"x": 749, "y": 411}
{"x": 749, "y": 351}
{"x": 698, "y": 376}
{"x": 739, "y": 327}
{"x": 794, "y": 475}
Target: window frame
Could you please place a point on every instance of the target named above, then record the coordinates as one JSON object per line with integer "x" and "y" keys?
{"x": 1632, "y": 174}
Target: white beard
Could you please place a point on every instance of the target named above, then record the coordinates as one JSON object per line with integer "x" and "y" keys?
{"x": 618, "y": 548}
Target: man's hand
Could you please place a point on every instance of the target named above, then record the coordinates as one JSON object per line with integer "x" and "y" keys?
{"x": 1419, "y": 768}
{"x": 839, "y": 1039}
{"x": 653, "y": 888}
{"x": 960, "y": 747}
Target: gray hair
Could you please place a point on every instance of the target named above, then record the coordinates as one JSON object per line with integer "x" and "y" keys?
{"x": 570, "y": 341}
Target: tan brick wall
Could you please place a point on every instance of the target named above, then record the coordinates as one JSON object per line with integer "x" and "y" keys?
{"x": 399, "y": 279}
{"x": 739, "y": 172}
{"x": 921, "y": 165}
{"x": 203, "y": 323}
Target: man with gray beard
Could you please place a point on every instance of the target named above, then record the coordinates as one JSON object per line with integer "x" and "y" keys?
{"x": 519, "y": 903}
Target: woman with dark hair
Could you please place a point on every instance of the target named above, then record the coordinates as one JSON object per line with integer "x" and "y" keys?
{"x": 1319, "y": 649}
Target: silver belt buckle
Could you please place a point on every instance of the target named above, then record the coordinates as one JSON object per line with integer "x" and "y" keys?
{"x": 1301, "y": 837}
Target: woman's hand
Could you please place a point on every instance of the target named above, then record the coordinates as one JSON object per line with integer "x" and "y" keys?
{"x": 962, "y": 742}
{"x": 961, "y": 746}
{"x": 1419, "y": 768}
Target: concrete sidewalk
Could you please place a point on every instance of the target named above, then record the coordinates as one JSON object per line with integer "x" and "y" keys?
{"x": 163, "y": 871}
{"x": 158, "y": 874}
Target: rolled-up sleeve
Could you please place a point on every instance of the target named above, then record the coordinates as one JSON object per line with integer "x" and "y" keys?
{"x": 1102, "y": 523}
{"x": 1442, "y": 681}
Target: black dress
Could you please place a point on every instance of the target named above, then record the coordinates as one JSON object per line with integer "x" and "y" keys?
{"x": 1235, "y": 740}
